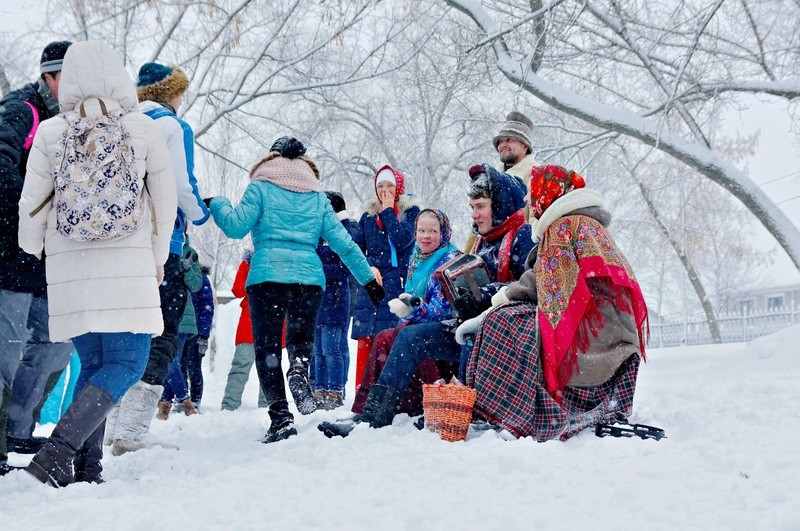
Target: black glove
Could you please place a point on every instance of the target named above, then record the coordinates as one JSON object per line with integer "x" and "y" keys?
{"x": 375, "y": 291}
{"x": 466, "y": 307}
{"x": 207, "y": 201}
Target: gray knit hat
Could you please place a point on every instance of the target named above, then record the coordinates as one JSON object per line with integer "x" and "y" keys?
{"x": 517, "y": 126}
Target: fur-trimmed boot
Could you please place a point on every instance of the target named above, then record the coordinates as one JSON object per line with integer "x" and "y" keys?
{"x": 53, "y": 464}
{"x": 133, "y": 423}
{"x": 164, "y": 407}
{"x": 379, "y": 411}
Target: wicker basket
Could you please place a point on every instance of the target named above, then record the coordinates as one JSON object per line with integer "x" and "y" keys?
{"x": 448, "y": 409}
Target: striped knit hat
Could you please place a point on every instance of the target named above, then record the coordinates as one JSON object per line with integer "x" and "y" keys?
{"x": 53, "y": 57}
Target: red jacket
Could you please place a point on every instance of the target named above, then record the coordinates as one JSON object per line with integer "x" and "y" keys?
{"x": 244, "y": 332}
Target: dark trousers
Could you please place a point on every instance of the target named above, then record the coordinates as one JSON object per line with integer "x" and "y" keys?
{"x": 270, "y": 303}
{"x": 192, "y": 368}
{"x": 164, "y": 348}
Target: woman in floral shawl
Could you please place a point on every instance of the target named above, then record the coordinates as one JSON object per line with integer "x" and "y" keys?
{"x": 562, "y": 350}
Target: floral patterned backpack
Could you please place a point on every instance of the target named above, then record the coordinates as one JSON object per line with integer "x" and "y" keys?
{"x": 98, "y": 194}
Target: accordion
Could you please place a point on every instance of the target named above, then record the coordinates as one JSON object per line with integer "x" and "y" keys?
{"x": 464, "y": 274}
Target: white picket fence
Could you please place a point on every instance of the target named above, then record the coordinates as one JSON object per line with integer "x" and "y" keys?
{"x": 734, "y": 327}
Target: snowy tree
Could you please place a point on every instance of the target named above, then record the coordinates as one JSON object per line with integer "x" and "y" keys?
{"x": 658, "y": 72}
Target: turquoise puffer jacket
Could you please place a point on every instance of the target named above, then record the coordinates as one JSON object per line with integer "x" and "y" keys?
{"x": 286, "y": 227}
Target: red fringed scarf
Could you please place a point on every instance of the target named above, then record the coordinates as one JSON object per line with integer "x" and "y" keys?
{"x": 573, "y": 249}
{"x": 396, "y": 214}
{"x": 508, "y": 231}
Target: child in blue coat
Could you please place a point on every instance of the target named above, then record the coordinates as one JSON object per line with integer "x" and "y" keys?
{"x": 286, "y": 213}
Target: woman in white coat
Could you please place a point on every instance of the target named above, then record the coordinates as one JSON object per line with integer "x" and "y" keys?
{"x": 103, "y": 294}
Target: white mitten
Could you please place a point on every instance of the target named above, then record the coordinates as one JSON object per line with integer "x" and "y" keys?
{"x": 399, "y": 308}
{"x": 470, "y": 327}
{"x": 500, "y": 297}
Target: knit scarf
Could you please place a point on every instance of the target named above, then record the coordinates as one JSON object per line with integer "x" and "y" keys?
{"x": 291, "y": 174}
{"x": 422, "y": 267}
{"x": 575, "y": 248}
{"x": 508, "y": 231}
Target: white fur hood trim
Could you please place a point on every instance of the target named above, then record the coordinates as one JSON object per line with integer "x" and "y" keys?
{"x": 580, "y": 198}
{"x": 404, "y": 202}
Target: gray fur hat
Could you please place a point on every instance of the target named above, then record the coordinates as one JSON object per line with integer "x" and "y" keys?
{"x": 517, "y": 126}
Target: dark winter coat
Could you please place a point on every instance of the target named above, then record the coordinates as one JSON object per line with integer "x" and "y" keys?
{"x": 508, "y": 197}
{"x": 203, "y": 302}
{"x": 335, "y": 307}
{"x": 19, "y": 271}
{"x": 368, "y": 320}
{"x": 520, "y": 249}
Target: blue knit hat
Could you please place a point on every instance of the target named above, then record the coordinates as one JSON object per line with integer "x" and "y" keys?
{"x": 157, "y": 82}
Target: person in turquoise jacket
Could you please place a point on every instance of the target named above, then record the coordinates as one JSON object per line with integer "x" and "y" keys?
{"x": 286, "y": 213}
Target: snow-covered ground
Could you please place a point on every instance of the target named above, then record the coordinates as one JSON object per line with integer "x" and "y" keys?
{"x": 730, "y": 461}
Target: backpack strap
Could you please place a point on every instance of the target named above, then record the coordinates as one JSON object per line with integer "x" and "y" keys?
{"x": 29, "y": 139}
{"x": 82, "y": 108}
{"x": 42, "y": 204}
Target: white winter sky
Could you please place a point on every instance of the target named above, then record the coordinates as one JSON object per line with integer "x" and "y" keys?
{"x": 777, "y": 153}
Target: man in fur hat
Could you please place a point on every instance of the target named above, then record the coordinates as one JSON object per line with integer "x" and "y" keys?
{"x": 515, "y": 147}
{"x": 26, "y": 359}
{"x": 161, "y": 89}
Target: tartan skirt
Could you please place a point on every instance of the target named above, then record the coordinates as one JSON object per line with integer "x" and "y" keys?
{"x": 505, "y": 369}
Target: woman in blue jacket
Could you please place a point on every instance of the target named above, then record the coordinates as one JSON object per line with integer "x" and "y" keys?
{"x": 286, "y": 213}
{"x": 386, "y": 234}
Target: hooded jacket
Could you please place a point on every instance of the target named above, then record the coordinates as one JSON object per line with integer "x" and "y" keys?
{"x": 105, "y": 285}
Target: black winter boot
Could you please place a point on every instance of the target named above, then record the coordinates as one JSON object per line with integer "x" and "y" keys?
{"x": 282, "y": 426}
{"x": 379, "y": 410}
{"x": 87, "y": 460}
{"x": 297, "y": 378}
{"x": 53, "y": 464}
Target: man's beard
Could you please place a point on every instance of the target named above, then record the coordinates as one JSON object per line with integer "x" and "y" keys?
{"x": 509, "y": 159}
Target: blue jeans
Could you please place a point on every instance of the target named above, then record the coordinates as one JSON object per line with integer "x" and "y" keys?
{"x": 175, "y": 385}
{"x": 330, "y": 355}
{"x": 111, "y": 361}
{"x": 27, "y": 358}
{"x": 413, "y": 344}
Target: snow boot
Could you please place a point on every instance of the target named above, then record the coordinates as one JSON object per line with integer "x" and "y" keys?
{"x": 298, "y": 386}
{"x": 133, "y": 423}
{"x": 282, "y": 425}
{"x": 164, "y": 407}
{"x": 379, "y": 411}
{"x": 87, "y": 460}
{"x": 53, "y": 464}
{"x": 330, "y": 400}
{"x": 188, "y": 408}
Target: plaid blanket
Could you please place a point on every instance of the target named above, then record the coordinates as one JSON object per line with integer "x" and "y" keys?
{"x": 506, "y": 371}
